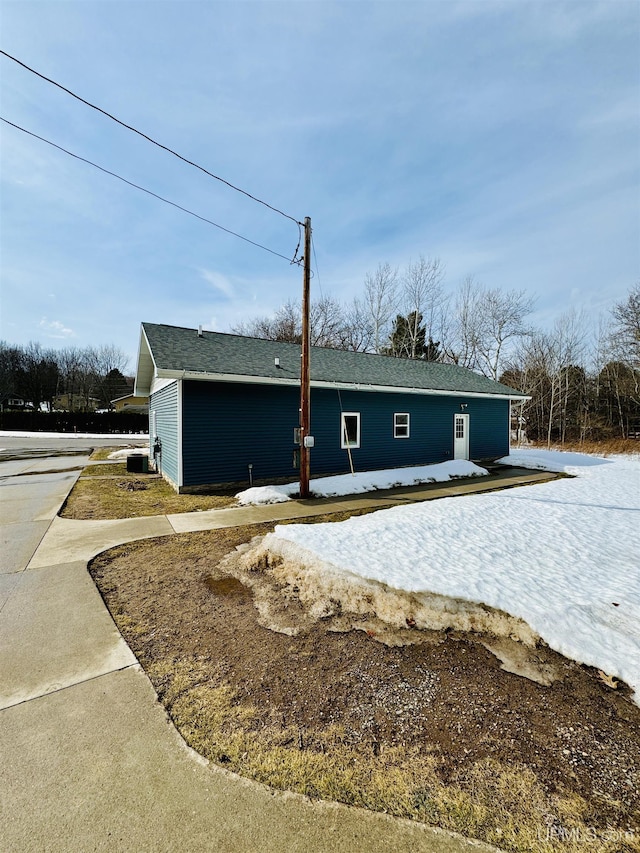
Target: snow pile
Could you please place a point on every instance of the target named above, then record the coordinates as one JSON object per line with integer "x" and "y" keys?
{"x": 129, "y": 451}
{"x": 367, "y": 481}
{"x": 561, "y": 556}
{"x": 324, "y": 593}
{"x": 267, "y": 494}
{"x": 561, "y": 462}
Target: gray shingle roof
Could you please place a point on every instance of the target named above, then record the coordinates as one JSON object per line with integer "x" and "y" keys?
{"x": 179, "y": 349}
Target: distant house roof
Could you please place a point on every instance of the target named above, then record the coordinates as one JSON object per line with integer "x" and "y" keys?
{"x": 172, "y": 352}
{"x": 131, "y": 396}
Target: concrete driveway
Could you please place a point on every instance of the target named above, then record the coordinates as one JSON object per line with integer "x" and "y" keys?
{"x": 90, "y": 760}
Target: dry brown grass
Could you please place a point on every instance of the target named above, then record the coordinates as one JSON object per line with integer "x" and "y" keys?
{"x": 607, "y": 447}
{"x": 110, "y": 492}
{"x": 500, "y": 804}
{"x": 107, "y": 469}
{"x": 133, "y": 497}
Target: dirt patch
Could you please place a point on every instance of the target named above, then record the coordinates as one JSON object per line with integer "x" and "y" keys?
{"x": 227, "y": 586}
{"x": 424, "y": 724}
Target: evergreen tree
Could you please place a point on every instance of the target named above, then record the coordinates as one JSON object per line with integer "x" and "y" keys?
{"x": 408, "y": 339}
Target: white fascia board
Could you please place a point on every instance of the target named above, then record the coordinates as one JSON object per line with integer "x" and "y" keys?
{"x": 146, "y": 368}
{"x": 159, "y": 384}
{"x": 342, "y": 386}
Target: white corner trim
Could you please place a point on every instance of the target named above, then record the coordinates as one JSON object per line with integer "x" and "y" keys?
{"x": 179, "y": 437}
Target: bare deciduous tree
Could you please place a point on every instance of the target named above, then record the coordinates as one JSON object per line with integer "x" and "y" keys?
{"x": 380, "y": 303}
{"x": 487, "y": 323}
{"x": 326, "y": 321}
{"x": 550, "y": 367}
{"x": 618, "y": 378}
{"x": 626, "y": 316}
{"x": 503, "y": 315}
{"x": 357, "y": 331}
{"x": 39, "y": 375}
{"x": 467, "y": 328}
{"x": 568, "y": 350}
{"x": 284, "y": 325}
{"x": 422, "y": 297}
{"x": 10, "y": 364}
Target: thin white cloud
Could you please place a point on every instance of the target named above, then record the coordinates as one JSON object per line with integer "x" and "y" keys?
{"x": 218, "y": 281}
{"x": 55, "y": 329}
{"x": 500, "y": 137}
{"x": 619, "y": 113}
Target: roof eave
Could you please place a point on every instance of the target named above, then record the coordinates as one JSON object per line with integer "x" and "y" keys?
{"x": 204, "y": 376}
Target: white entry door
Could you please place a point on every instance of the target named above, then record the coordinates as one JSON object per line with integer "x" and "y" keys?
{"x": 461, "y": 436}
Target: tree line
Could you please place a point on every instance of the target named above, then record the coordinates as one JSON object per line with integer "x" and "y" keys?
{"x": 583, "y": 385}
{"x": 87, "y": 377}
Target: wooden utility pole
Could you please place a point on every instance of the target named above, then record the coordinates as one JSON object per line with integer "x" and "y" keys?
{"x": 305, "y": 376}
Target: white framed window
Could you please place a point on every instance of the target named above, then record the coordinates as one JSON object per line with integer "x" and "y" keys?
{"x": 401, "y": 425}
{"x": 349, "y": 429}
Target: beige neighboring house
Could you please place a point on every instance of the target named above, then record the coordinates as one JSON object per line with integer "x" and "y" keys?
{"x": 131, "y": 403}
{"x": 74, "y": 403}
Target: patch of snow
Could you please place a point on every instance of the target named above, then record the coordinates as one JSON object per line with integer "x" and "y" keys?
{"x": 563, "y": 556}
{"x": 366, "y": 481}
{"x": 16, "y": 434}
{"x": 129, "y": 451}
{"x": 267, "y": 494}
{"x": 559, "y": 461}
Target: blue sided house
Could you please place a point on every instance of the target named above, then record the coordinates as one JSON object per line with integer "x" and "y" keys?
{"x": 222, "y": 406}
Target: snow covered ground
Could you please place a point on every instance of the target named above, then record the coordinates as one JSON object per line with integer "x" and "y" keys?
{"x": 134, "y": 436}
{"x": 366, "y": 481}
{"x": 563, "y": 556}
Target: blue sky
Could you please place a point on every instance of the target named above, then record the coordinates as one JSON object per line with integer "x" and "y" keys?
{"x": 501, "y": 137}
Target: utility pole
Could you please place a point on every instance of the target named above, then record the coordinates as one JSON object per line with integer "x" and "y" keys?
{"x": 305, "y": 376}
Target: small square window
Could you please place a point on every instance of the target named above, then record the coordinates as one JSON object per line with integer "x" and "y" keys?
{"x": 349, "y": 429}
{"x": 401, "y": 425}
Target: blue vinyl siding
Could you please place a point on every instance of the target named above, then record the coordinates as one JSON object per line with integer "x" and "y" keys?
{"x": 165, "y": 405}
{"x": 488, "y": 428}
{"x": 431, "y": 434}
{"x": 226, "y": 427}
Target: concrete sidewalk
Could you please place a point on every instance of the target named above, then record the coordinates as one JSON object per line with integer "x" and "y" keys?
{"x": 90, "y": 760}
{"x": 68, "y": 540}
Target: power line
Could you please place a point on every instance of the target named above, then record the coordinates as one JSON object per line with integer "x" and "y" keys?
{"x": 315, "y": 258}
{"x": 148, "y": 138}
{"x": 151, "y": 193}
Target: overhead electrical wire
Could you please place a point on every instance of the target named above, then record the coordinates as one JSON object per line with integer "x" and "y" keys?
{"x": 315, "y": 258}
{"x": 151, "y": 193}
{"x": 148, "y": 138}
